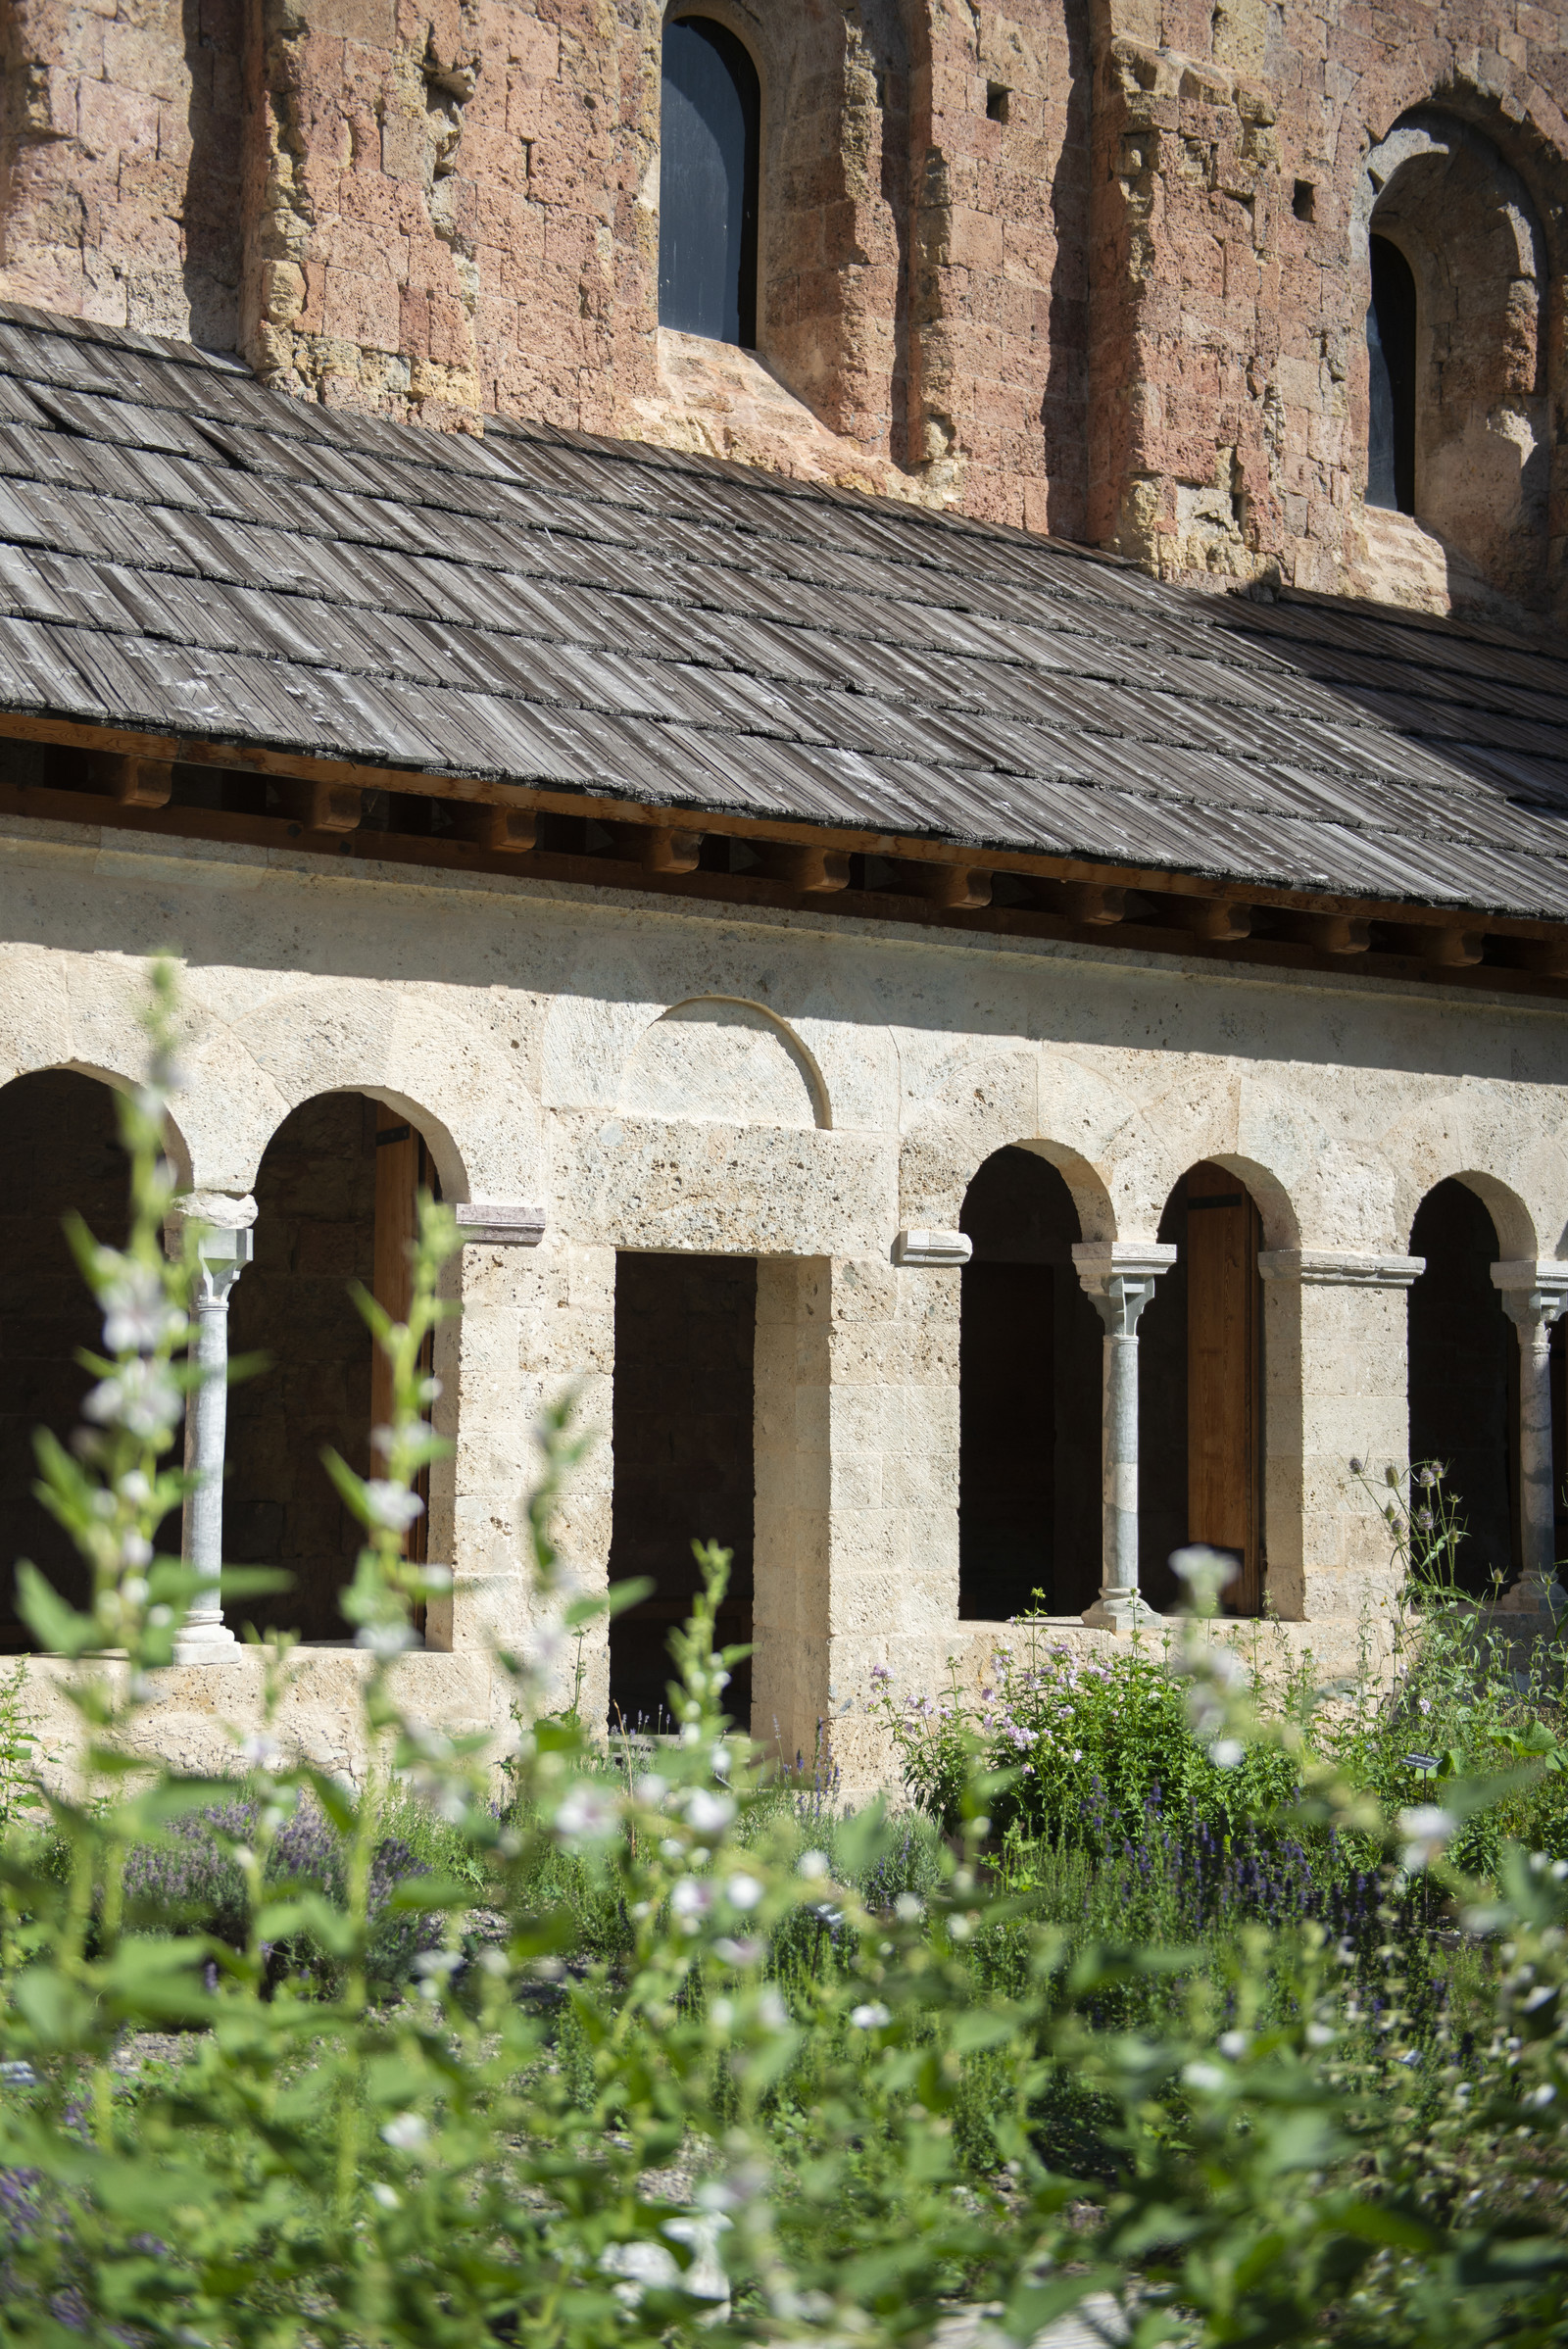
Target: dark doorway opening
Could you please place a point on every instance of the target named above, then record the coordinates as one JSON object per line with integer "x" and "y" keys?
{"x": 59, "y": 1149}
{"x": 685, "y": 1336}
{"x": 335, "y": 1200}
{"x": 1463, "y": 1379}
{"x": 1029, "y": 1502}
{"x": 1200, "y": 1431}
{"x": 710, "y": 123}
{"x": 1390, "y": 333}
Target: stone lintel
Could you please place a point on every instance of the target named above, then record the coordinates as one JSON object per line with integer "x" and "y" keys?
{"x": 1340, "y": 1267}
{"x": 500, "y": 1223}
{"x": 926, "y": 1249}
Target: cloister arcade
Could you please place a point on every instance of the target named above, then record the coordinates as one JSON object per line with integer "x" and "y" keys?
{"x": 1114, "y": 1398}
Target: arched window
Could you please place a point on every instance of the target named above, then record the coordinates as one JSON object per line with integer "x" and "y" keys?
{"x": 1390, "y": 346}
{"x": 710, "y": 120}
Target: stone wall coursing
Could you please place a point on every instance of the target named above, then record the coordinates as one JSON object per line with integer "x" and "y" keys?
{"x": 1097, "y": 266}
{"x": 122, "y": 158}
{"x": 1229, "y": 370}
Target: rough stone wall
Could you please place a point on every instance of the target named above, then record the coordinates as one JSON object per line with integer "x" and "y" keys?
{"x": 123, "y": 154}
{"x": 1230, "y": 277}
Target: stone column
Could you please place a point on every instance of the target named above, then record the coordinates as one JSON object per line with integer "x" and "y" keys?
{"x": 1336, "y": 1389}
{"x": 1120, "y": 1278}
{"x": 1534, "y": 1295}
{"x": 223, "y": 1248}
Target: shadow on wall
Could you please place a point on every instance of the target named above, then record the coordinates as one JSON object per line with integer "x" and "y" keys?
{"x": 1065, "y": 407}
{"x": 213, "y": 212}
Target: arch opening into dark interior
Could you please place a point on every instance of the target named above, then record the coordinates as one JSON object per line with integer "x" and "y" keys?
{"x": 1391, "y": 341}
{"x": 59, "y": 1150}
{"x": 1200, "y": 1428}
{"x": 684, "y": 1442}
{"x": 1463, "y": 1384}
{"x": 709, "y": 124}
{"x": 1029, "y": 1363}
{"x": 336, "y": 1201}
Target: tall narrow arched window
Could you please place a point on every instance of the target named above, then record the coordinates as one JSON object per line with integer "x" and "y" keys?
{"x": 1391, "y": 347}
{"x": 710, "y": 120}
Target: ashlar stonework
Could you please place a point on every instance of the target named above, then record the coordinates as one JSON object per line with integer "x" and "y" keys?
{"x": 696, "y": 1079}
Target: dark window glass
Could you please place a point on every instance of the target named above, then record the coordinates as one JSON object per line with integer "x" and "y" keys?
{"x": 1390, "y": 346}
{"x": 707, "y": 184}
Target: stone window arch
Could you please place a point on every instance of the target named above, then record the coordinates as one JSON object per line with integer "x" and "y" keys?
{"x": 709, "y": 136}
{"x": 1459, "y": 429}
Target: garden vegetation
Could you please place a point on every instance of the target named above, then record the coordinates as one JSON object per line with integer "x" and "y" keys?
{"x": 1232, "y": 2007}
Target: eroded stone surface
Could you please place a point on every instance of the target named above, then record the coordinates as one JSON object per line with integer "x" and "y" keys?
{"x": 1103, "y": 273}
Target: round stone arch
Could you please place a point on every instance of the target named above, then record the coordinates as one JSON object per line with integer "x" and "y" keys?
{"x": 1511, "y": 1218}
{"x": 1440, "y": 190}
{"x": 834, "y": 86}
{"x": 1030, "y": 1361}
{"x": 1463, "y": 1365}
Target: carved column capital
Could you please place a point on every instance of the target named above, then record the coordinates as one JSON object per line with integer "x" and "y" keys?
{"x": 1534, "y": 1289}
{"x": 1119, "y": 1277}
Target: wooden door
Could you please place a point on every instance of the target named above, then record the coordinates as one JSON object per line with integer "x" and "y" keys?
{"x": 1224, "y": 1378}
{"x": 402, "y": 1171}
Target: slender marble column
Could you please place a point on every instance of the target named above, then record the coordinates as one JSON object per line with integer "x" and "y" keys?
{"x": 223, "y": 1250}
{"x": 1534, "y": 1295}
{"x": 1120, "y": 1278}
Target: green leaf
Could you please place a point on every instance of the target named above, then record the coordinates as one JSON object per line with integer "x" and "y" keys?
{"x": 58, "y": 1627}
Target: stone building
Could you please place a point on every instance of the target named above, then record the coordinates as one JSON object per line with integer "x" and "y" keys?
{"x": 882, "y": 681}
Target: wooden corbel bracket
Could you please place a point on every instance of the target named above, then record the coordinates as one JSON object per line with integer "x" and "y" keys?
{"x": 132, "y": 782}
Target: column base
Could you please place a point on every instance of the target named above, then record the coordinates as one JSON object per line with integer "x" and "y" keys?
{"x": 1534, "y": 1595}
{"x": 1120, "y": 1611}
{"x": 205, "y": 1643}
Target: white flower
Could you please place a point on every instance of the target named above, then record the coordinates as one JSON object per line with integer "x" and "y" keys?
{"x": 387, "y": 2196}
{"x": 405, "y": 2133}
{"x": 135, "y": 1488}
{"x": 772, "y": 2010}
{"x": 812, "y": 1864}
{"x": 138, "y": 1315}
{"x": 1318, "y": 2034}
{"x": 1427, "y": 1828}
{"x": 709, "y": 1814}
{"x": 588, "y": 1811}
{"x": 141, "y": 1397}
{"x": 651, "y": 1789}
{"x": 1233, "y": 2043}
{"x": 385, "y": 1640}
{"x": 742, "y": 1891}
{"x": 391, "y": 1505}
{"x": 744, "y": 1952}
{"x": 1225, "y": 1752}
{"x": 133, "y": 1589}
{"x": 871, "y": 2016}
{"x": 693, "y": 1897}
{"x": 1203, "y": 2076}
{"x": 908, "y": 1908}
{"x": 1544, "y": 2095}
